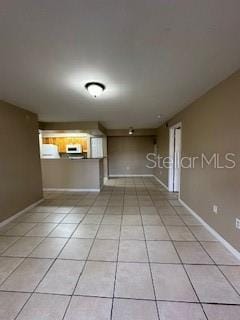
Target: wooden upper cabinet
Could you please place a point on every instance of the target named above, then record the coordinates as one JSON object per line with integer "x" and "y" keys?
{"x": 62, "y": 142}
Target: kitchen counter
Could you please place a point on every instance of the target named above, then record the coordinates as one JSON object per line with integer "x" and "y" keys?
{"x": 72, "y": 174}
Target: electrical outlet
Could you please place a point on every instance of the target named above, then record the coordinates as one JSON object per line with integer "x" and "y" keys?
{"x": 237, "y": 223}
{"x": 215, "y": 209}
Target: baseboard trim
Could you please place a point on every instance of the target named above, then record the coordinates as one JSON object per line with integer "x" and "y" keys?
{"x": 16, "y": 215}
{"x": 226, "y": 244}
{"x": 129, "y": 175}
{"x": 162, "y": 183}
{"x": 70, "y": 190}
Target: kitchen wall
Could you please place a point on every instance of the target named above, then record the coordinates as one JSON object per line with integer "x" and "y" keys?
{"x": 210, "y": 125}
{"x": 20, "y": 171}
{"x": 127, "y": 155}
{"x": 62, "y": 142}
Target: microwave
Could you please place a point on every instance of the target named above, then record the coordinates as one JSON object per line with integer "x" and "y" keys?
{"x": 73, "y": 148}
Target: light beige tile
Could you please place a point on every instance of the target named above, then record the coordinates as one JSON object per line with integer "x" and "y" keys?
{"x": 171, "y": 283}
{"x": 182, "y": 211}
{"x": 23, "y": 247}
{"x": 108, "y": 232}
{"x": 77, "y": 249}
{"x": 124, "y": 309}
{"x": 175, "y": 203}
{"x": 63, "y": 209}
{"x": 201, "y": 233}
{"x": 104, "y": 250}
{"x": 27, "y": 276}
{"x": 132, "y": 233}
{"x": 11, "y": 303}
{"x": 210, "y": 285}
{"x": 97, "y": 279}
{"x": 130, "y": 203}
{"x": 92, "y": 219}
{"x": 180, "y": 233}
{"x": 6, "y": 242}
{"x": 151, "y": 220}
{"x": 220, "y": 254}
{"x": 131, "y": 210}
{"x": 20, "y": 229}
{"x": 35, "y": 217}
{"x": 41, "y": 230}
{"x": 61, "y": 278}
{"x": 132, "y": 251}
{"x": 148, "y": 210}
{"x": 190, "y": 220}
{"x": 89, "y": 308}
{"x": 156, "y": 233}
{"x": 97, "y": 210}
{"x": 100, "y": 203}
{"x": 73, "y": 218}
{"x": 82, "y": 210}
{"x": 114, "y": 210}
{"x": 7, "y": 266}
{"x": 63, "y": 230}
{"x": 180, "y": 311}
{"x": 162, "y": 252}
{"x": 172, "y": 221}
{"x": 112, "y": 219}
{"x": 7, "y": 227}
{"x": 44, "y": 208}
{"x": 86, "y": 231}
{"x": 49, "y": 248}
{"x": 221, "y": 312}
{"x": 146, "y": 204}
{"x": 133, "y": 280}
{"x": 162, "y": 204}
{"x": 44, "y": 307}
{"x": 55, "y": 217}
{"x": 132, "y": 220}
{"x": 192, "y": 253}
{"x": 233, "y": 275}
{"x": 169, "y": 211}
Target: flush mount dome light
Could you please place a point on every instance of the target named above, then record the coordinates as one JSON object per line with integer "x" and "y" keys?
{"x": 95, "y": 88}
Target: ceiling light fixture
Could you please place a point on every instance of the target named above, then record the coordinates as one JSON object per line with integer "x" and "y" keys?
{"x": 95, "y": 88}
{"x": 131, "y": 130}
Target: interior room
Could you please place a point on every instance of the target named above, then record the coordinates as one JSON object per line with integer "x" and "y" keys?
{"x": 119, "y": 162}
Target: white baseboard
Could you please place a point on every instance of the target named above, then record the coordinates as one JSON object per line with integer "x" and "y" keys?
{"x": 162, "y": 183}
{"x": 16, "y": 215}
{"x": 226, "y": 244}
{"x": 129, "y": 175}
{"x": 70, "y": 190}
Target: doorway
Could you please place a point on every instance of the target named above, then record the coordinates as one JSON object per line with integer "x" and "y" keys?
{"x": 175, "y": 135}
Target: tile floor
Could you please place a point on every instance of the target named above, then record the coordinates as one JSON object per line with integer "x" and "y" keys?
{"x": 130, "y": 251}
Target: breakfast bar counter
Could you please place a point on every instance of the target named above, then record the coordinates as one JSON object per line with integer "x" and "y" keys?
{"x": 72, "y": 174}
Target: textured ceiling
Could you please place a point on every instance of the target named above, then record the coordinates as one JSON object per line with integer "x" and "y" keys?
{"x": 154, "y": 56}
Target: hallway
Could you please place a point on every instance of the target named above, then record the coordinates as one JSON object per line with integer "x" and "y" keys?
{"x": 128, "y": 252}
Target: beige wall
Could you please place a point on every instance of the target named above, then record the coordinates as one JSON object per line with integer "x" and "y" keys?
{"x": 211, "y": 125}
{"x": 72, "y": 174}
{"x": 127, "y": 155}
{"x": 20, "y": 173}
